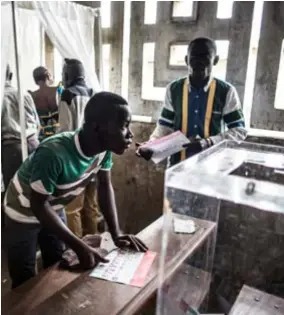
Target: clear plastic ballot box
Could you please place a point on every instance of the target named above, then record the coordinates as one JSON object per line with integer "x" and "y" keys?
{"x": 247, "y": 174}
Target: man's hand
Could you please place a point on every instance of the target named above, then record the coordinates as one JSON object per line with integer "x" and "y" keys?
{"x": 89, "y": 257}
{"x": 194, "y": 146}
{"x": 130, "y": 241}
{"x": 144, "y": 152}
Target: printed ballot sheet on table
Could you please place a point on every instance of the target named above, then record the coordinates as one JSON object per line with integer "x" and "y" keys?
{"x": 166, "y": 146}
{"x": 125, "y": 267}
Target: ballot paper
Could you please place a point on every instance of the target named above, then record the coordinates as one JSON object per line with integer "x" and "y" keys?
{"x": 166, "y": 146}
{"x": 127, "y": 267}
{"x": 184, "y": 226}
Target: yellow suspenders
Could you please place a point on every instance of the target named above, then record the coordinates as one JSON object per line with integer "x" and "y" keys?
{"x": 208, "y": 115}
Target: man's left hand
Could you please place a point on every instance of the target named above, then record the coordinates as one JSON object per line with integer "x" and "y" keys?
{"x": 193, "y": 147}
{"x": 130, "y": 241}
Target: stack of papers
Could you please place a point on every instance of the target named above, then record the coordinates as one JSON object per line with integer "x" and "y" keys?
{"x": 164, "y": 147}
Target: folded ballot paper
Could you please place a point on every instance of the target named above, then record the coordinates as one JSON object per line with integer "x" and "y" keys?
{"x": 164, "y": 147}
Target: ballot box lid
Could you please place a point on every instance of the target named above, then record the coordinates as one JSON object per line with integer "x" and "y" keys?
{"x": 247, "y": 173}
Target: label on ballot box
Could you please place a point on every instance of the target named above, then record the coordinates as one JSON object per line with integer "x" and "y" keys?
{"x": 125, "y": 267}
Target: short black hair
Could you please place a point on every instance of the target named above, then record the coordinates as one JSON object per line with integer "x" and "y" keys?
{"x": 100, "y": 107}
{"x": 40, "y": 74}
{"x": 209, "y": 42}
{"x": 74, "y": 69}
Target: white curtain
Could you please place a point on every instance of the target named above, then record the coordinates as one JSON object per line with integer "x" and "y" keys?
{"x": 70, "y": 27}
{"x": 6, "y": 31}
{"x": 30, "y": 46}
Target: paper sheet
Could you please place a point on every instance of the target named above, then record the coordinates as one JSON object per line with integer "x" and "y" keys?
{"x": 125, "y": 267}
{"x": 166, "y": 146}
{"x": 184, "y": 226}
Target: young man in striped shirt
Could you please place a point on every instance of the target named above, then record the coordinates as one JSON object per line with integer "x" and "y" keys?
{"x": 199, "y": 105}
{"x": 54, "y": 175}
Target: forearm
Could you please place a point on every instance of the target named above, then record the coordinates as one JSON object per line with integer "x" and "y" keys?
{"x": 51, "y": 221}
{"x": 107, "y": 205}
{"x": 160, "y": 131}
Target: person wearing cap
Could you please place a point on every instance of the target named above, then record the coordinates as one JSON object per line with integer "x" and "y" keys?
{"x": 46, "y": 101}
{"x": 205, "y": 109}
{"x": 82, "y": 213}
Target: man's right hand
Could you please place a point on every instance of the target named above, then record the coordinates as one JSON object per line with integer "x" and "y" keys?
{"x": 145, "y": 153}
{"x": 89, "y": 257}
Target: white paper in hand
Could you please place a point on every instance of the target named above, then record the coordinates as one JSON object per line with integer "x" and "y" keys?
{"x": 164, "y": 147}
{"x": 184, "y": 226}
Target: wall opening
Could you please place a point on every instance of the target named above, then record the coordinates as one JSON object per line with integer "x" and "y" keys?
{"x": 252, "y": 61}
{"x": 225, "y": 9}
{"x": 279, "y": 95}
{"x": 150, "y": 11}
{"x": 106, "y": 65}
{"x": 182, "y": 9}
{"x": 149, "y": 92}
{"x": 105, "y": 14}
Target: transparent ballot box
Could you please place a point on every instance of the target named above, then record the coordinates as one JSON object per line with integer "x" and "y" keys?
{"x": 243, "y": 173}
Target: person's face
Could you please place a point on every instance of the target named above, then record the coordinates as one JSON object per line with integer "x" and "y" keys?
{"x": 117, "y": 136}
{"x": 200, "y": 60}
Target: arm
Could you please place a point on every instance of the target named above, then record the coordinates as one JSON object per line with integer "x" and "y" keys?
{"x": 107, "y": 202}
{"x": 107, "y": 205}
{"x": 66, "y": 112}
{"x": 234, "y": 118}
{"x": 165, "y": 123}
{"x": 51, "y": 221}
{"x": 32, "y": 119}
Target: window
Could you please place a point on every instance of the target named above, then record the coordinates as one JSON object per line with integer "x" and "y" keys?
{"x": 150, "y": 12}
{"x": 182, "y": 8}
{"x": 279, "y": 96}
{"x": 149, "y": 92}
{"x": 106, "y": 68}
{"x": 225, "y": 9}
{"x": 177, "y": 54}
{"x": 105, "y": 13}
{"x": 220, "y": 69}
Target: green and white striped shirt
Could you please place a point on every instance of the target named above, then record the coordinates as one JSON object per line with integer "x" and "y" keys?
{"x": 57, "y": 168}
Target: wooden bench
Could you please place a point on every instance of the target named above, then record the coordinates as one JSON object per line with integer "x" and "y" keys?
{"x": 56, "y": 291}
{"x": 251, "y": 301}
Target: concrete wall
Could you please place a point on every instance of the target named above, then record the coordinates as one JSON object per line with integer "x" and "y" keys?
{"x": 264, "y": 115}
{"x": 138, "y": 186}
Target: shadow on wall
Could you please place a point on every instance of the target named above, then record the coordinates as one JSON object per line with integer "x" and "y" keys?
{"x": 138, "y": 185}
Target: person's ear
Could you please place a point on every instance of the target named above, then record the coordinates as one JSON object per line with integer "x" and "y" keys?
{"x": 216, "y": 60}
{"x": 186, "y": 60}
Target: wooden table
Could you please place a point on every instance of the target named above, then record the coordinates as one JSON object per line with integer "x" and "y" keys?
{"x": 251, "y": 301}
{"x": 55, "y": 291}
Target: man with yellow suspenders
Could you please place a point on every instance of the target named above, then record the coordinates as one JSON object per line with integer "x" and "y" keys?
{"x": 199, "y": 105}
